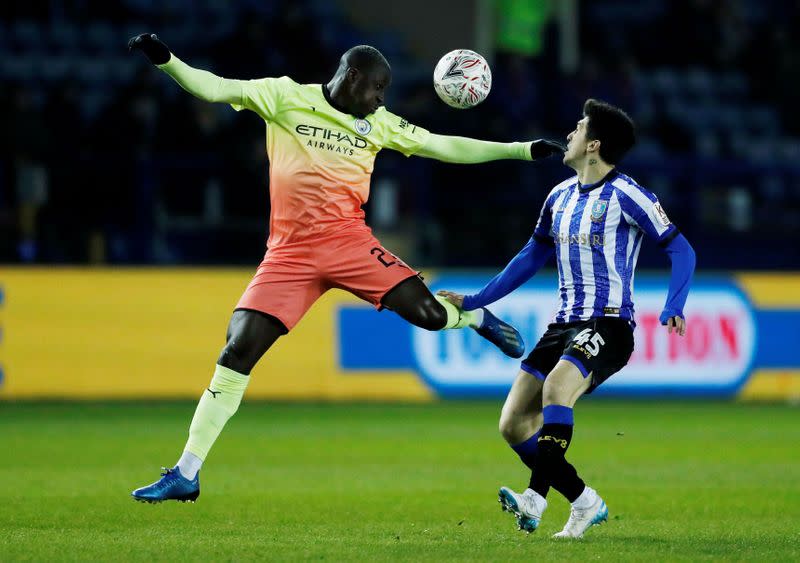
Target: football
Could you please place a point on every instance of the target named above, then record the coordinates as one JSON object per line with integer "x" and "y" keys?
{"x": 462, "y": 78}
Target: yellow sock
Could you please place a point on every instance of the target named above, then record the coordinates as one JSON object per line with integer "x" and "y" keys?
{"x": 458, "y": 318}
{"x": 218, "y": 403}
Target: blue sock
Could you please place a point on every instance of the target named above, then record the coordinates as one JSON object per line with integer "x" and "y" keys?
{"x": 558, "y": 414}
{"x": 528, "y": 449}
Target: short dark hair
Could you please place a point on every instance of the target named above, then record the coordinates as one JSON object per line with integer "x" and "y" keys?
{"x": 365, "y": 58}
{"x": 612, "y": 127}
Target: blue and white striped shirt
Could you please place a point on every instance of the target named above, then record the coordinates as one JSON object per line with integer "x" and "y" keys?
{"x": 597, "y": 231}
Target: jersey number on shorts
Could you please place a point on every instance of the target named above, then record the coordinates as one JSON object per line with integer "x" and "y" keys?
{"x": 590, "y": 342}
{"x": 381, "y": 253}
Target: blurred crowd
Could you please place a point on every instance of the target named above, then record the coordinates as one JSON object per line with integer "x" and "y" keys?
{"x": 104, "y": 160}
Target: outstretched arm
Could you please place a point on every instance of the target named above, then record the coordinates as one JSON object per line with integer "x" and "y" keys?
{"x": 522, "y": 267}
{"x": 683, "y": 259}
{"x": 463, "y": 150}
{"x": 199, "y": 83}
{"x": 203, "y": 84}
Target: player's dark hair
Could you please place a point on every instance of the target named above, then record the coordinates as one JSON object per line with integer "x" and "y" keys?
{"x": 365, "y": 58}
{"x": 612, "y": 127}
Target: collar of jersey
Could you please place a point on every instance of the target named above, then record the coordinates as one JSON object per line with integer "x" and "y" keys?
{"x": 583, "y": 188}
{"x": 334, "y": 105}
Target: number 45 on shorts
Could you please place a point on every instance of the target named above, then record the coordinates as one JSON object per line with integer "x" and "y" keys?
{"x": 589, "y": 340}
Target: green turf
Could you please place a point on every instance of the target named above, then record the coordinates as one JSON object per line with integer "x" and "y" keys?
{"x": 684, "y": 481}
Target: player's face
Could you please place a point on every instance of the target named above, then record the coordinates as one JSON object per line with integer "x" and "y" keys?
{"x": 576, "y": 143}
{"x": 368, "y": 90}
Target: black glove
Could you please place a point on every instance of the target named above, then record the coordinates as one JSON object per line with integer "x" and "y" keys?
{"x": 152, "y": 47}
{"x": 542, "y": 148}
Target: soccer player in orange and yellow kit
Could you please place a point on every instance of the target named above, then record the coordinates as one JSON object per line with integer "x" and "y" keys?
{"x": 321, "y": 141}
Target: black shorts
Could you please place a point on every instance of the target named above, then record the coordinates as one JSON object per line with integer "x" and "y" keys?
{"x": 600, "y": 347}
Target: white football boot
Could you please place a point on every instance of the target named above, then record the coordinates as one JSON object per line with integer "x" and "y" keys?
{"x": 527, "y": 507}
{"x": 590, "y": 510}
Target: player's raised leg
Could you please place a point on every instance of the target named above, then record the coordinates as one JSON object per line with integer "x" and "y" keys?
{"x": 359, "y": 264}
{"x": 250, "y": 335}
{"x": 412, "y": 300}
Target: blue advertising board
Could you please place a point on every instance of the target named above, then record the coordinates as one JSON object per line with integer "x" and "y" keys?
{"x": 727, "y": 339}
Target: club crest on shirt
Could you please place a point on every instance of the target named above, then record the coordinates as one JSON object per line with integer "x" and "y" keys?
{"x": 363, "y": 127}
{"x": 598, "y": 210}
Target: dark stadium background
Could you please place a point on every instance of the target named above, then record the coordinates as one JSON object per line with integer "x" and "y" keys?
{"x": 105, "y": 160}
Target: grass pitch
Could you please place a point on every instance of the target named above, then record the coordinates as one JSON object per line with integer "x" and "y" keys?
{"x": 683, "y": 481}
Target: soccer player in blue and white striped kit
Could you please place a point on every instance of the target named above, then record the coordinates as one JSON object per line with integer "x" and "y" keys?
{"x": 594, "y": 222}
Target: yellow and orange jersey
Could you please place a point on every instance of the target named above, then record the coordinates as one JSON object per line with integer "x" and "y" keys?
{"x": 320, "y": 159}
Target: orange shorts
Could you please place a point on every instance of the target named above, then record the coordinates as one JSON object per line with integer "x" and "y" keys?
{"x": 293, "y": 276}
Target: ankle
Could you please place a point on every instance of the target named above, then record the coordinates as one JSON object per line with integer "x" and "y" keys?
{"x": 189, "y": 465}
{"x": 586, "y": 499}
{"x": 538, "y": 500}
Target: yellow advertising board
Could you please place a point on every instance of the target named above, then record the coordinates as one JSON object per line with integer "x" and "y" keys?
{"x": 130, "y": 333}
{"x": 156, "y": 333}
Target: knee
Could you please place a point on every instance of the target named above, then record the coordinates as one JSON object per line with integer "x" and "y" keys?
{"x": 508, "y": 429}
{"x": 517, "y": 427}
{"x": 430, "y": 315}
{"x": 235, "y": 356}
{"x": 512, "y": 428}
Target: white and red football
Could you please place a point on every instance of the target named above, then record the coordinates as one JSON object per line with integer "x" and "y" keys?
{"x": 462, "y": 78}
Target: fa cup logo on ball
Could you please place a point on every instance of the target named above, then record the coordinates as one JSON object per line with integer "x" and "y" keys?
{"x": 462, "y": 78}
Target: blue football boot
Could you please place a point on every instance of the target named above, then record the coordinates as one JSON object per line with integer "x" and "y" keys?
{"x": 171, "y": 486}
{"x": 501, "y": 334}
